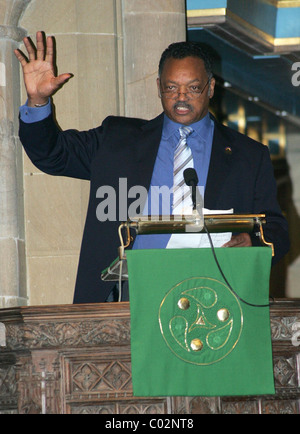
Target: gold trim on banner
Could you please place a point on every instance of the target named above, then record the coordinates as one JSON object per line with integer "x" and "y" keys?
{"x": 276, "y": 42}
{"x": 191, "y": 335}
{"x": 194, "y": 13}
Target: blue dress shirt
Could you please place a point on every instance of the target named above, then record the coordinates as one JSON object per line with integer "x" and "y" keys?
{"x": 34, "y": 114}
{"x": 200, "y": 142}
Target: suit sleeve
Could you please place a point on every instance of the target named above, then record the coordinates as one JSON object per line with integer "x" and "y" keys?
{"x": 55, "y": 152}
{"x": 265, "y": 201}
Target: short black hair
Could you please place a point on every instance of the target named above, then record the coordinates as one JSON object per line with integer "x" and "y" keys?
{"x": 180, "y": 50}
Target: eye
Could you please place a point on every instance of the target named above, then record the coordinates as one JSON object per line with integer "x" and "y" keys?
{"x": 195, "y": 88}
{"x": 171, "y": 88}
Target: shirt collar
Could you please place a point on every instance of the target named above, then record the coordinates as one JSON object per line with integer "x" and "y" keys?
{"x": 201, "y": 127}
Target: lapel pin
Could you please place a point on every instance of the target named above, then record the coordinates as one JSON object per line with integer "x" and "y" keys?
{"x": 228, "y": 150}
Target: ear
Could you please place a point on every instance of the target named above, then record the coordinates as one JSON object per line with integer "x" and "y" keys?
{"x": 158, "y": 87}
{"x": 211, "y": 89}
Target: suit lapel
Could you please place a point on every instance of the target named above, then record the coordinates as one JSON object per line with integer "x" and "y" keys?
{"x": 147, "y": 149}
{"x": 223, "y": 150}
{"x": 220, "y": 165}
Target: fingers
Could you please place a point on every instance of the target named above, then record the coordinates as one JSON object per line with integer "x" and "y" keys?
{"x": 38, "y": 52}
{"x": 240, "y": 240}
{"x": 62, "y": 79}
{"x": 30, "y": 48}
{"x": 21, "y": 58}
{"x": 49, "y": 50}
{"x": 40, "y": 47}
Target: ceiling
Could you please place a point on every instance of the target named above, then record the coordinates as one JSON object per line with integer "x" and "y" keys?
{"x": 251, "y": 66}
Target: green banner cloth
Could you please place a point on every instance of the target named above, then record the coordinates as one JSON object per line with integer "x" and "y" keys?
{"x": 190, "y": 335}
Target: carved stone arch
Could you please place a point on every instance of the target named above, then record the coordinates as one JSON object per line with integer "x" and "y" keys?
{"x": 10, "y": 13}
{"x": 12, "y": 243}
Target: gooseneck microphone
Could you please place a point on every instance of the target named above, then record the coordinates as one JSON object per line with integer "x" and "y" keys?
{"x": 191, "y": 179}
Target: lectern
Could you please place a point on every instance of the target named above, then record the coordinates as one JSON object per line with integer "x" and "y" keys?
{"x": 208, "y": 323}
{"x": 212, "y": 223}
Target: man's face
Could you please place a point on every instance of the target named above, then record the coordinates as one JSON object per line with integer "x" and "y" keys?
{"x": 183, "y": 76}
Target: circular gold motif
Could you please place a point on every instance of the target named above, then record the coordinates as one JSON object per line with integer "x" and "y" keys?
{"x": 201, "y": 320}
{"x": 183, "y": 303}
{"x": 196, "y": 345}
{"x": 223, "y": 314}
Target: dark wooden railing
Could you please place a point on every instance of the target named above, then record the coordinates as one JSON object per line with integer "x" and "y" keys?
{"x": 76, "y": 359}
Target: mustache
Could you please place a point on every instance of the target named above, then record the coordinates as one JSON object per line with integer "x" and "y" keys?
{"x": 183, "y": 105}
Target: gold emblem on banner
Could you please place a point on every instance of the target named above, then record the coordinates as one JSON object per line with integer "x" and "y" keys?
{"x": 201, "y": 320}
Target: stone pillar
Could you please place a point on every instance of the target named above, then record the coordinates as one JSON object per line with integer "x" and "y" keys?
{"x": 12, "y": 247}
{"x": 149, "y": 27}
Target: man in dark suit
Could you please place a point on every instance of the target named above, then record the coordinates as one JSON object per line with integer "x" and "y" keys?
{"x": 235, "y": 171}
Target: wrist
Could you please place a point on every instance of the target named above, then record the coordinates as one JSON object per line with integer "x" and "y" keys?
{"x": 37, "y": 103}
{"x": 41, "y": 105}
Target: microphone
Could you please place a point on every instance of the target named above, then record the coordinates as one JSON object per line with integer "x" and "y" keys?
{"x": 191, "y": 179}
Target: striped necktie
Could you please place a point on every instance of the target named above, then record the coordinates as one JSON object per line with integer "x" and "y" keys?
{"x": 183, "y": 159}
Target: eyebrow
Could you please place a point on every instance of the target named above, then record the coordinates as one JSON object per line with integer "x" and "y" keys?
{"x": 190, "y": 82}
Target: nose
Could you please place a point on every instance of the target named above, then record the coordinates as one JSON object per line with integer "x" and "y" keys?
{"x": 182, "y": 94}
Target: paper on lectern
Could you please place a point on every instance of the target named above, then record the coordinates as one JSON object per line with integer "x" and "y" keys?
{"x": 196, "y": 241}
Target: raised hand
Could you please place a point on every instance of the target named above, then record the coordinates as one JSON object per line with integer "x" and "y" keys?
{"x": 38, "y": 70}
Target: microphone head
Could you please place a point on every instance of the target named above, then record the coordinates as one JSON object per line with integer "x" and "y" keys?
{"x": 190, "y": 176}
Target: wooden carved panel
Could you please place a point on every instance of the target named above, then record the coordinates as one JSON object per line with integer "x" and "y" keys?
{"x": 38, "y": 380}
{"x": 76, "y": 359}
{"x": 8, "y": 390}
{"x": 64, "y": 334}
{"x": 99, "y": 379}
{"x": 98, "y": 376}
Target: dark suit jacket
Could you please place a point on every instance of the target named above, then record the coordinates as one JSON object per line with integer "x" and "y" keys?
{"x": 126, "y": 148}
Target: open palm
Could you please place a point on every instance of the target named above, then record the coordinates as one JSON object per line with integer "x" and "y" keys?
{"x": 38, "y": 70}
